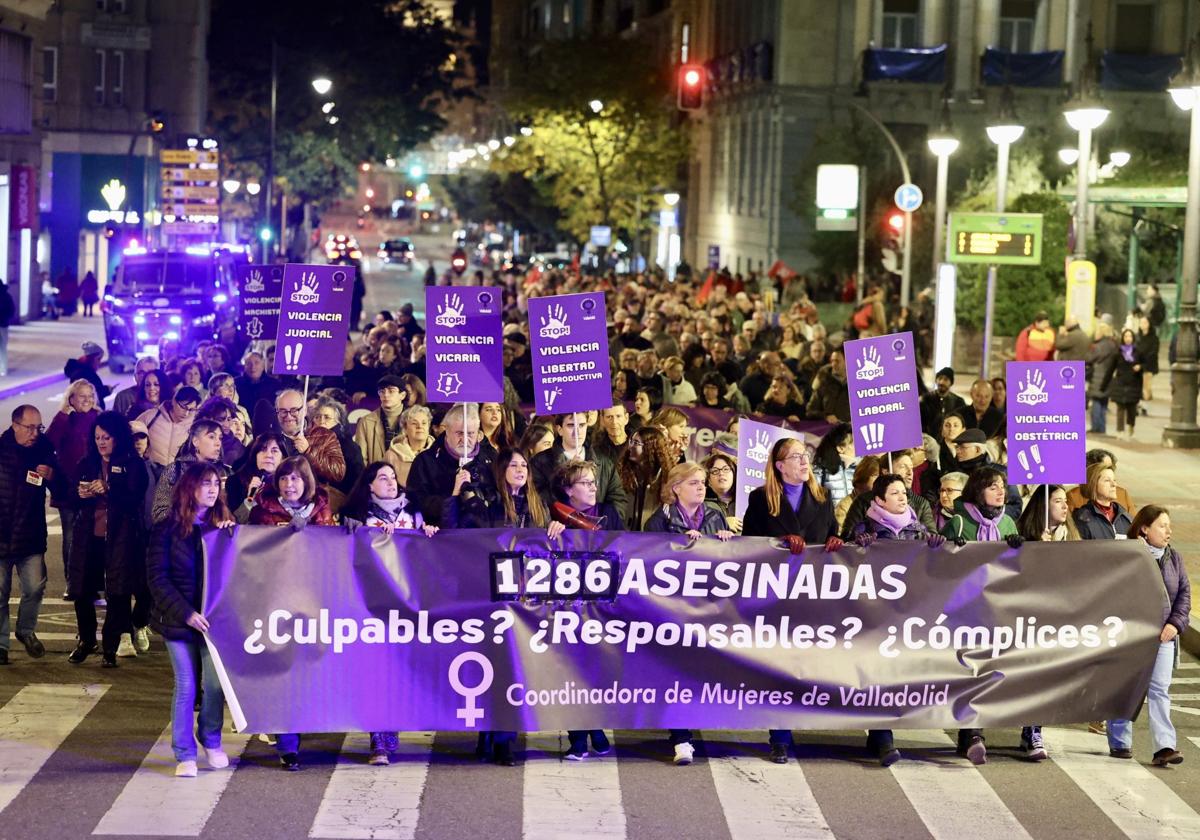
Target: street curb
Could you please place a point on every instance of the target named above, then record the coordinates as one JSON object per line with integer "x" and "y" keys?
{"x": 31, "y": 385}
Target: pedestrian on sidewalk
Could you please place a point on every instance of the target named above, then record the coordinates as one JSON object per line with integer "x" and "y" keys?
{"x": 89, "y": 294}
{"x": 1101, "y": 364}
{"x": 68, "y": 292}
{"x": 1152, "y": 529}
{"x": 49, "y": 298}
{"x": 69, "y": 433}
{"x": 1126, "y": 387}
{"x": 1147, "y": 348}
{"x": 8, "y": 312}
{"x": 174, "y": 570}
{"x": 1036, "y": 342}
{"x": 27, "y": 470}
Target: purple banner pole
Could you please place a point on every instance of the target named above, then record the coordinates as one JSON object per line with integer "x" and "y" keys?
{"x": 314, "y": 320}
{"x": 885, "y": 409}
{"x": 569, "y": 338}
{"x": 464, "y": 350}
{"x": 260, "y": 289}
{"x": 1047, "y": 422}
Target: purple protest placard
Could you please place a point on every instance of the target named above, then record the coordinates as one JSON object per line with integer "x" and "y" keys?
{"x": 569, "y": 339}
{"x": 1047, "y": 414}
{"x": 754, "y": 450}
{"x": 463, "y": 356}
{"x": 260, "y": 288}
{"x": 314, "y": 320}
{"x": 885, "y": 410}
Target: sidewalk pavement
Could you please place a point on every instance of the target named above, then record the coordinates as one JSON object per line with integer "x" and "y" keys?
{"x": 38, "y": 350}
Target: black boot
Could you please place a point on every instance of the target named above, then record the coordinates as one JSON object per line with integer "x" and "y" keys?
{"x": 82, "y": 651}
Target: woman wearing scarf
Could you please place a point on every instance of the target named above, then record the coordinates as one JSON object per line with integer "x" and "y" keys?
{"x": 890, "y": 518}
{"x": 1152, "y": 528}
{"x": 979, "y": 517}
{"x": 1126, "y": 388}
{"x": 722, "y": 470}
{"x": 685, "y": 511}
{"x": 576, "y": 480}
{"x": 792, "y": 506}
{"x": 377, "y": 502}
{"x": 1033, "y": 524}
{"x": 1102, "y": 517}
{"x": 950, "y": 488}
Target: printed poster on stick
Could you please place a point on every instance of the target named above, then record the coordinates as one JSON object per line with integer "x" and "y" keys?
{"x": 885, "y": 410}
{"x": 314, "y": 320}
{"x": 569, "y": 343}
{"x": 463, "y": 356}
{"x": 1047, "y": 413}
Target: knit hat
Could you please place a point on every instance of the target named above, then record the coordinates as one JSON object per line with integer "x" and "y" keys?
{"x": 91, "y": 348}
{"x": 947, "y": 372}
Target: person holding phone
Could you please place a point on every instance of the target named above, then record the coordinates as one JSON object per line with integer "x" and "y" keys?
{"x": 254, "y": 473}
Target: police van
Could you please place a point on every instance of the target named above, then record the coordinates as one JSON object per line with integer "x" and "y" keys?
{"x": 160, "y": 300}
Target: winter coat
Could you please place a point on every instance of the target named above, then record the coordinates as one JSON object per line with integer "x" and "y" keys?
{"x": 916, "y": 530}
{"x": 1072, "y": 345}
{"x": 1034, "y": 345}
{"x": 23, "y": 504}
{"x": 608, "y": 483}
{"x": 250, "y": 391}
{"x": 838, "y": 485}
{"x": 89, "y": 289}
{"x": 69, "y": 434}
{"x": 669, "y": 519}
{"x": 401, "y": 456}
{"x": 962, "y": 526}
{"x": 862, "y": 503}
{"x": 166, "y": 436}
{"x": 830, "y": 396}
{"x": 935, "y": 407}
{"x": 125, "y": 542}
{"x": 324, "y": 454}
{"x": 1147, "y": 350}
{"x": 1094, "y": 525}
{"x": 1179, "y": 590}
{"x": 175, "y": 575}
{"x": 1126, "y": 385}
{"x": 369, "y": 436}
{"x": 485, "y": 511}
{"x": 167, "y": 480}
{"x": 269, "y": 510}
{"x": 813, "y": 521}
{"x": 432, "y": 476}
{"x": 1102, "y": 364}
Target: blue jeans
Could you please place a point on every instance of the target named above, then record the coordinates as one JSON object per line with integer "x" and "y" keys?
{"x": 31, "y": 571}
{"x": 187, "y": 660}
{"x": 3, "y": 351}
{"x": 1158, "y": 702}
{"x": 1099, "y": 409}
{"x": 287, "y": 742}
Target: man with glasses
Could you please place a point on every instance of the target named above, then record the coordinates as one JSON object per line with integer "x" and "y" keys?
{"x": 316, "y": 443}
{"x": 570, "y": 445}
{"x": 169, "y": 424}
{"x": 455, "y": 465}
{"x": 126, "y": 398}
{"x": 27, "y": 469}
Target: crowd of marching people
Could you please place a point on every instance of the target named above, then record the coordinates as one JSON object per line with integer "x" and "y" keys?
{"x": 215, "y": 439}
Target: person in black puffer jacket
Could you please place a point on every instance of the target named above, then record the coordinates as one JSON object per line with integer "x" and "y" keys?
{"x": 175, "y": 573}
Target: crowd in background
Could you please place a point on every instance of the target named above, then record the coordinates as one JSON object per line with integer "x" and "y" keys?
{"x": 215, "y": 438}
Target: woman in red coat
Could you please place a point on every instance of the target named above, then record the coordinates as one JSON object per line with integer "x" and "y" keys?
{"x": 293, "y": 498}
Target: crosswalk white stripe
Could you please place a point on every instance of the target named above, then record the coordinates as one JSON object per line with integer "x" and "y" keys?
{"x": 1188, "y": 666}
{"x": 1185, "y": 681}
{"x": 761, "y": 800}
{"x": 1186, "y": 696}
{"x": 1139, "y": 804}
{"x": 951, "y": 797}
{"x": 33, "y": 724}
{"x": 1186, "y": 710}
{"x": 569, "y": 798}
{"x": 362, "y": 801}
{"x": 155, "y": 802}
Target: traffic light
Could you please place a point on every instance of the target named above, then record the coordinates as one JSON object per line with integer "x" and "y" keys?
{"x": 893, "y": 241}
{"x": 110, "y": 230}
{"x": 691, "y": 82}
{"x": 458, "y": 262}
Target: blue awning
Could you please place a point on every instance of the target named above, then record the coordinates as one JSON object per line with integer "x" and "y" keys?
{"x": 927, "y": 65}
{"x": 1125, "y": 71}
{"x": 1035, "y": 69}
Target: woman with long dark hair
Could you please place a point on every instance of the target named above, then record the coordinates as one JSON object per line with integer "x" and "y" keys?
{"x": 496, "y": 425}
{"x": 1035, "y": 526}
{"x": 1126, "y": 387}
{"x": 792, "y": 506}
{"x": 266, "y": 452}
{"x": 149, "y": 395}
{"x": 642, "y": 468}
{"x": 108, "y": 550}
{"x": 174, "y": 570}
{"x": 203, "y": 444}
{"x": 833, "y": 462}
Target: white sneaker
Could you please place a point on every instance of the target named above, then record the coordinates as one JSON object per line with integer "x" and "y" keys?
{"x": 217, "y": 758}
{"x": 266, "y": 739}
{"x": 126, "y": 648}
{"x": 684, "y": 753}
{"x": 186, "y": 770}
{"x": 141, "y": 639}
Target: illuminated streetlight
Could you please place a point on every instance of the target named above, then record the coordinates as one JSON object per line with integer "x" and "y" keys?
{"x": 596, "y": 105}
{"x": 526, "y": 131}
{"x": 322, "y": 85}
{"x": 1119, "y": 159}
{"x": 1005, "y": 131}
{"x": 493, "y": 144}
{"x": 1068, "y": 156}
{"x": 509, "y": 140}
{"x": 672, "y": 198}
{"x": 231, "y": 185}
{"x": 327, "y": 107}
{"x": 253, "y": 187}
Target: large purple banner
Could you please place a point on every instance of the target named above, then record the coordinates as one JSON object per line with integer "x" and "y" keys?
{"x": 463, "y": 356}
{"x": 260, "y": 288}
{"x": 1047, "y": 416}
{"x": 885, "y": 409}
{"x": 569, "y": 339}
{"x": 324, "y": 631}
{"x": 314, "y": 320}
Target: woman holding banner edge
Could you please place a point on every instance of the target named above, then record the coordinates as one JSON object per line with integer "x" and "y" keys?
{"x": 791, "y": 506}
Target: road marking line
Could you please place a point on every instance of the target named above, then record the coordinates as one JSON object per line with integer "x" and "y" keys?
{"x": 362, "y": 801}
{"x": 569, "y": 798}
{"x": 1192, "y": 696}
{"x": 155, "y": 802}
{"x": 1188, "y": 666}
{"x": 33, "y": 724}
{"x": 1140, "y": 805}
{"x": 1186, "y": 710}
{"x": 1185, "y": 681}
{"x": 762, "y": 800}
{"x": 931, "y": 784}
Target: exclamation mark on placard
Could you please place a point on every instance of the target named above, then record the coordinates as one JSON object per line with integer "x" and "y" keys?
{"x": 291, "y": 356}
{"x": 872, "y": 434}
{"x": 1023, "y": 459}
{"x": 1036, "y": 452}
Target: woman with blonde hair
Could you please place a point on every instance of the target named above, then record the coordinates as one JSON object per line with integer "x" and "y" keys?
{"x": 790, "y": 505}
{"x": 675, "y": 423}
{"x": 413, "y": 439}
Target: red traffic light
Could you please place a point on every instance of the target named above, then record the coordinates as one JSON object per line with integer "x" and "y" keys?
{"x": 691, "y": 81}
{"x": 895, "y": 222}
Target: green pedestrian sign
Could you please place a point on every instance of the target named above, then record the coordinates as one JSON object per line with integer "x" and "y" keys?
{"x": 995, "y": 238}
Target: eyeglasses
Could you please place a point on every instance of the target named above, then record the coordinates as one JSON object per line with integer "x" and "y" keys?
{"x": 720, "y": 471}
{"x": 189, "y": 409}
{"x": 585, "y": 482}
{"x": 798, "y": 457}
{"x": 288, "y": 412}
{"x": 30, "y": 427}
{"x": 637, "y": 443}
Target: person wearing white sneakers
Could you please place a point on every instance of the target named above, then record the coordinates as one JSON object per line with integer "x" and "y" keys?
{"x": 175, "y": 573}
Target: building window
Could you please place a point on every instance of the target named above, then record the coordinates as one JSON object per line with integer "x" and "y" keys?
{"x": 1017, "y": 19}
{"x": 116, "y": 74}
{"x": 1133, "y": 28}
{"x": 900, "y": 20}
{"x": 118, "y": 6}
{"x": 49, "y": 74}
{"x": 16, "y": 84}
{"x": 99, "y": 71}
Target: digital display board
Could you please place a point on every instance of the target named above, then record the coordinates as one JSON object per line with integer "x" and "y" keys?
{"x": 995, "y": 238}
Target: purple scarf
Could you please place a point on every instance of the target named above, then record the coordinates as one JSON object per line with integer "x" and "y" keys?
{"x": 693, "y": 522}
{"x": 893, "y": 522}
{"x": 1127, "y": 352}
{"x": 989, "y": 529}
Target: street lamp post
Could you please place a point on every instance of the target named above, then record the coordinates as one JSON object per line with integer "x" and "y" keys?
{"x": 943, "y": 144}
{"x": 1084, "y": 118}
{"x": 1182, "y": 432}
{"x": 268, "y": 247}
{"x": 1003, "y": 133}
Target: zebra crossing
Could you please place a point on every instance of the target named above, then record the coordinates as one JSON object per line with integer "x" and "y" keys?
{"x": 745, "y": 796}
